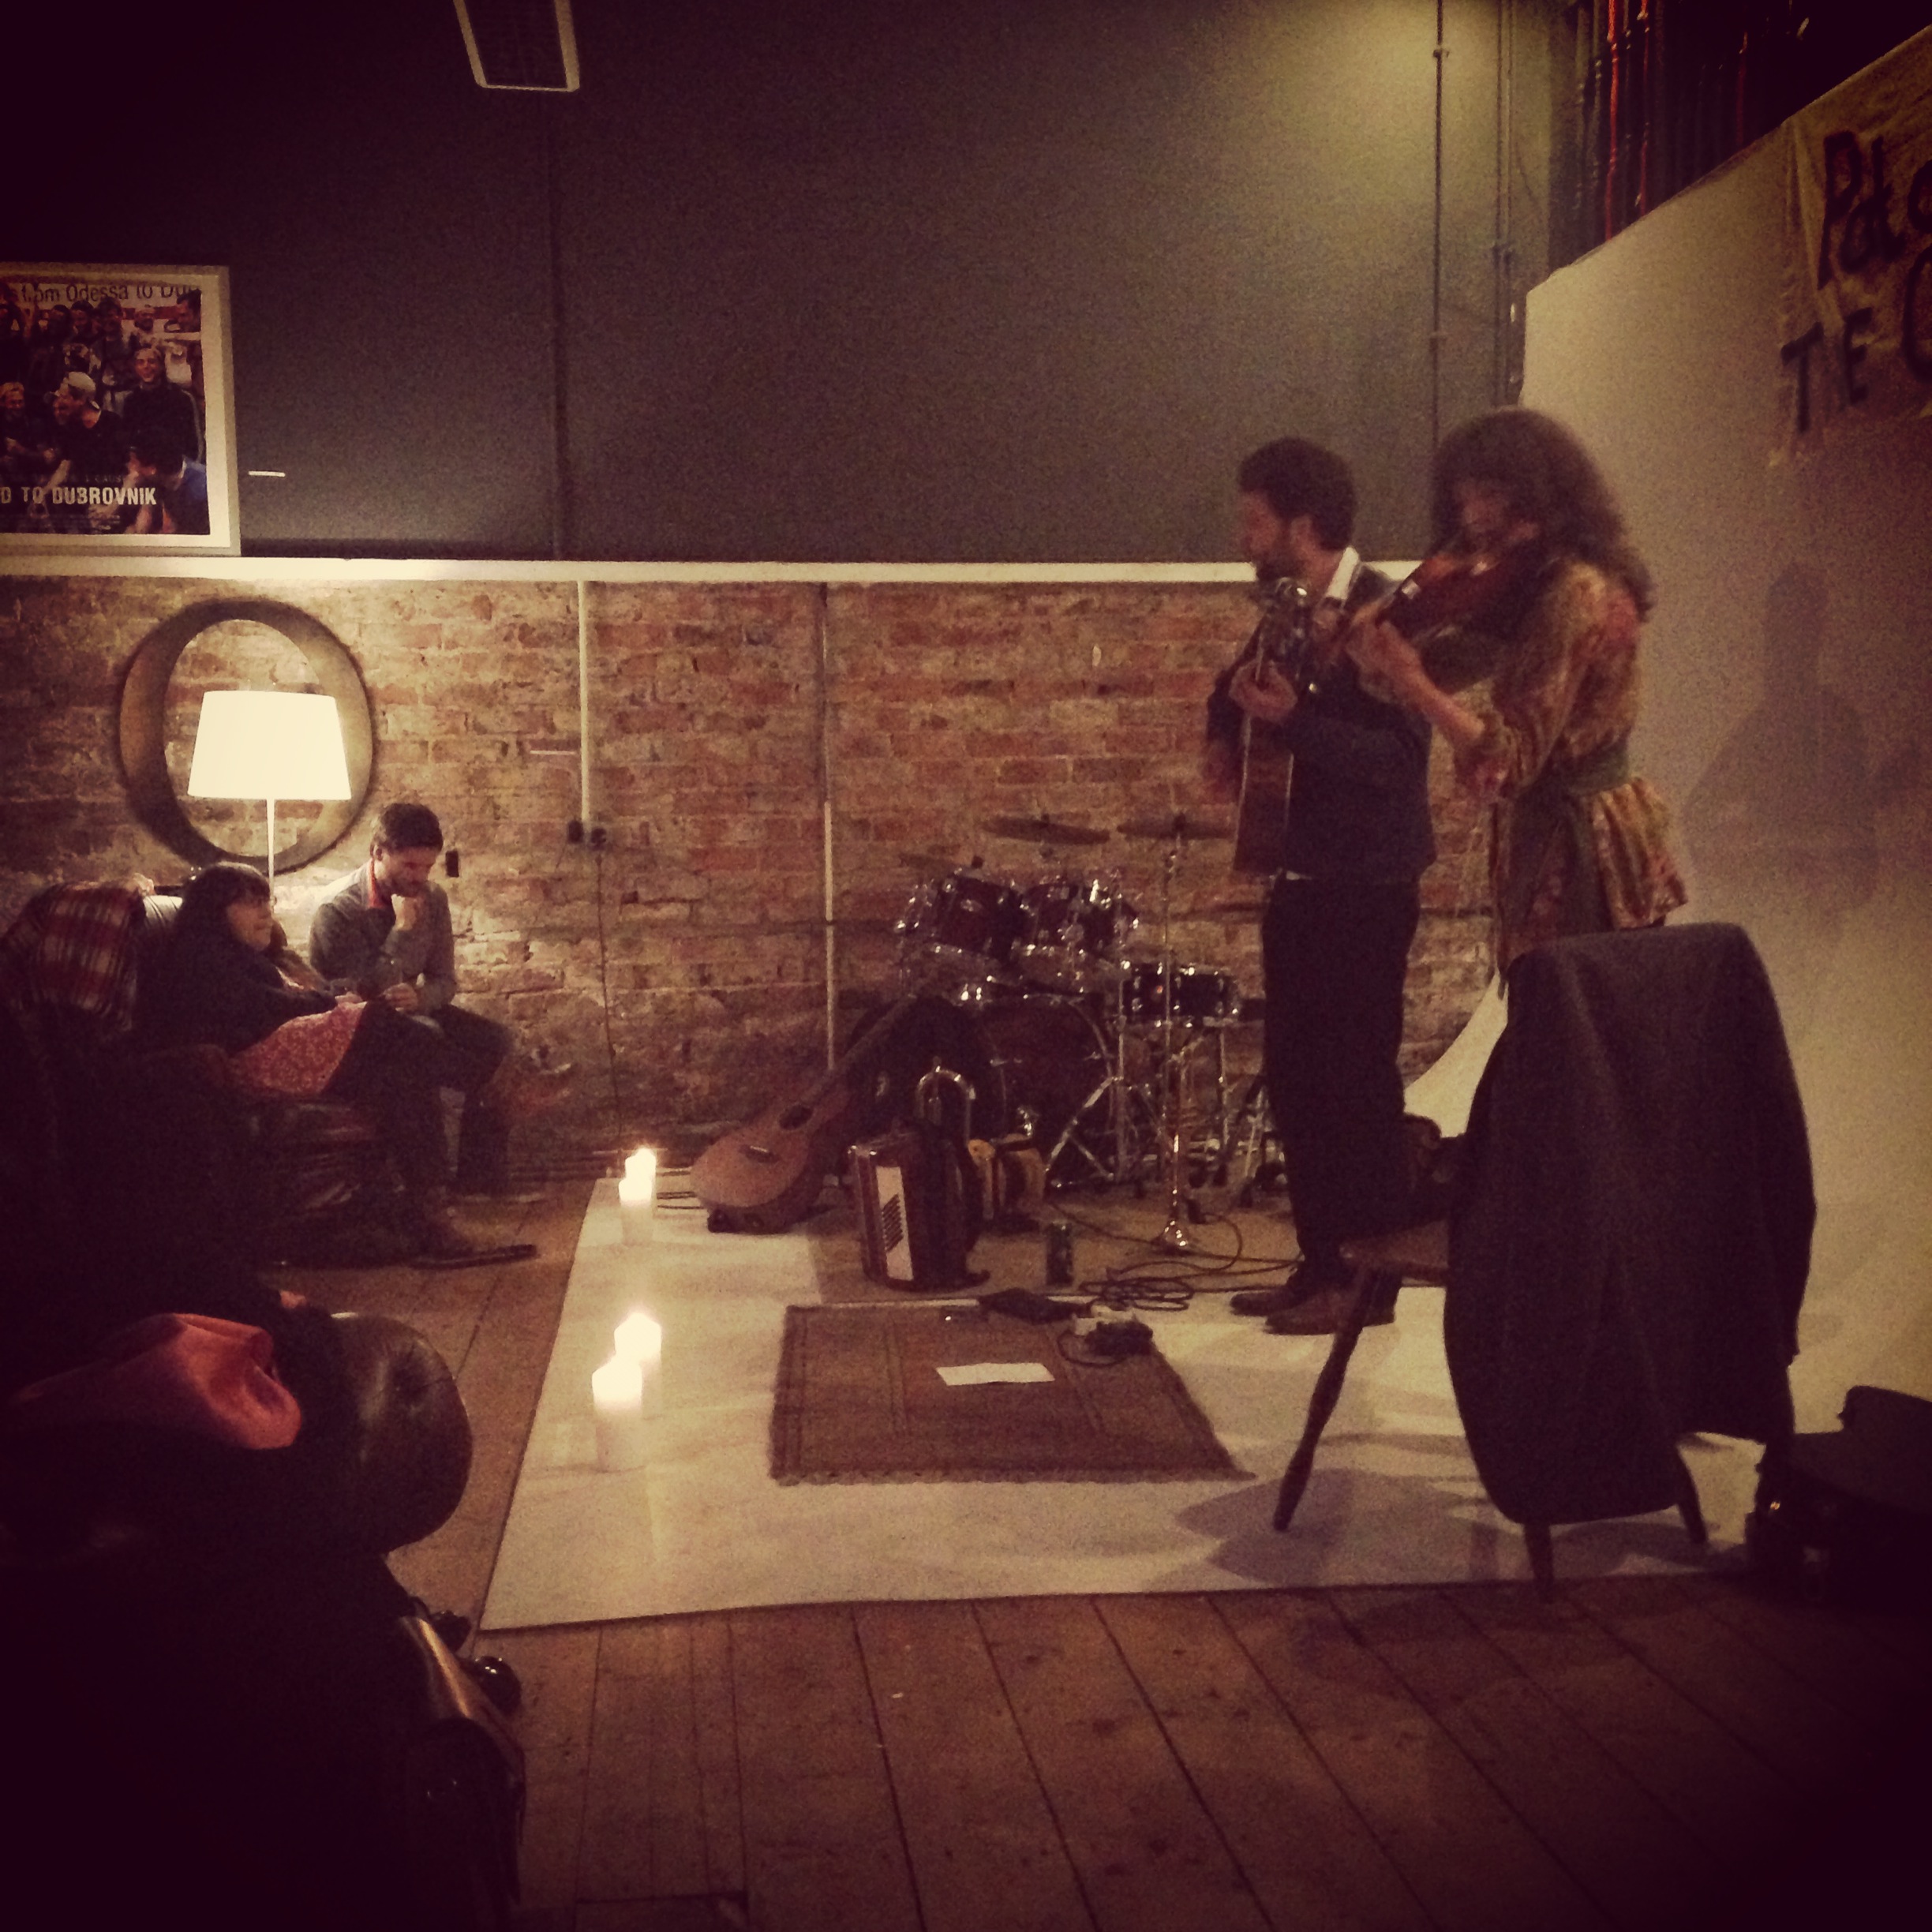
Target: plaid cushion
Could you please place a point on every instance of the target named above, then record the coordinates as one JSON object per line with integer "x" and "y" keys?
{"x": 72, "y": 949}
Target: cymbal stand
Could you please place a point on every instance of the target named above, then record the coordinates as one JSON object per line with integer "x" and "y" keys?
{"x": 1173, "y": 1238}
{"x": 1251, "y": 1154}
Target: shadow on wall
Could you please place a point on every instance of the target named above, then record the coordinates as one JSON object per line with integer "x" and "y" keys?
{"x": 1783, "y": 825}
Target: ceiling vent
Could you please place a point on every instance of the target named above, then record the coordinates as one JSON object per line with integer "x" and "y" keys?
{"x": 520, "y": 43}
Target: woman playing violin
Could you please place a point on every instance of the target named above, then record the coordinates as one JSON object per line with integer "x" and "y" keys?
{"x": 1578, "y": 841}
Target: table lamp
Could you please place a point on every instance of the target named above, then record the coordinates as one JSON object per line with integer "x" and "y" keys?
{"x": 268, "y": 745}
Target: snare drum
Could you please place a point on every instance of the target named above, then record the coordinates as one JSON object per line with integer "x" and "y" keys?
{"x": 1203, "y": 996}
{"x": 966, "y": 921}
{"x": 1072, "y": 934}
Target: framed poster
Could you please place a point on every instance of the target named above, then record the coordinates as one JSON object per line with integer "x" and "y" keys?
{"x": 116, "y": 410}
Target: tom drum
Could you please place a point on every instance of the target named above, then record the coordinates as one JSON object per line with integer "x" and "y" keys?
{"x": 967, "y": 923}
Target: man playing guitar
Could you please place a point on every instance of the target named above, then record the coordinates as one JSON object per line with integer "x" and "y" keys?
{"x": 1336, "y": 783}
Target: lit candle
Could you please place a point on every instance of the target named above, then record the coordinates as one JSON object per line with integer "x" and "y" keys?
{"x": 617, "y": 1399}
{"x": 639, "y": 1187}
{"x": 636, "y": 1193}
{"x": 640, "y": 1339}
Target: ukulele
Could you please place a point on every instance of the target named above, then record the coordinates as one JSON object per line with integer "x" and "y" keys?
{"x": 761, "y": 1177}
{"x": 1281, "y": 642}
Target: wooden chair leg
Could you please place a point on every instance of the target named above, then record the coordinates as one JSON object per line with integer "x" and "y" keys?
{"x": 1327, "y": 1393}
{"x": 1688, "y": 1506}
{"x": 1542, "y": 1558}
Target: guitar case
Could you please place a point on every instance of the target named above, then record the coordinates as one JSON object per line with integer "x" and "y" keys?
{"x": 1845, "y": 1515}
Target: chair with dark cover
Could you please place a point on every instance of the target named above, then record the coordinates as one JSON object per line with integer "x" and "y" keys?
{"x": 1630, "y": 1237}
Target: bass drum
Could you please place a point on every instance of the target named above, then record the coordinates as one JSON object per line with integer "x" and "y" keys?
{"x": 1047, "y": 1064}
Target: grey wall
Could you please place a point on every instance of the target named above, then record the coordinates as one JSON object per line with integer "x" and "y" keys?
{"x": 1003, "y": 280}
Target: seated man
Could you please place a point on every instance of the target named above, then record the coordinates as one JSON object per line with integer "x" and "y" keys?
{"x": 386, "y": 935}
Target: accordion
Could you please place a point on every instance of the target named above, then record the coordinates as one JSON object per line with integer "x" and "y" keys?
{"x": 893, "y": 1177}
{"x": 919, "y": 1195}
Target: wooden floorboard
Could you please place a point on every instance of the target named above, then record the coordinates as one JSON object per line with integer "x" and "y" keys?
{"x": 1719, "y": 1791}
{"x": 1474, "y": 1864}
{"x": 981, "y": 1836}
{"x": 1148, "y": 1854}
{"x": 1639, "y": 1752}
{"x": 1307, "y": 1853}
{"x": 1622, "y": 1847}
{"x": 824, "y": 1851}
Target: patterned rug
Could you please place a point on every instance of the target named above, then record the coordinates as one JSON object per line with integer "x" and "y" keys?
{"x": 861, "y": 1398}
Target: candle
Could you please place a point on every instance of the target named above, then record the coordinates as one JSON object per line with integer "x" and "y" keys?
{"x": 640, "y": 1339}
{"x": 617, "y": 1400}
{"x": 639, "y": 1187}
{"x": 637, "y": 1194}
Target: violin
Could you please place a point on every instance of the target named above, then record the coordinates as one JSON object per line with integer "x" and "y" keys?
{"x": 1460, "y": 607}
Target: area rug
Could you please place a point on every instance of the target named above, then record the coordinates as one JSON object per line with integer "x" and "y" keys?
{"x": 961, "y": 1393}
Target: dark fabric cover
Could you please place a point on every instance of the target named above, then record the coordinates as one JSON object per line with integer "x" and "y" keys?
{"x": 1633, "y": 1237}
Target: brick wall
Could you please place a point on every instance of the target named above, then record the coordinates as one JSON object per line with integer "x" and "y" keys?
{"x": 690, "y": 948}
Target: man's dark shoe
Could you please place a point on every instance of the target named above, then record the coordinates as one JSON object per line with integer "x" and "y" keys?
{"x": 1305, "y": 1279}
{"x": 1321, "y": 1312}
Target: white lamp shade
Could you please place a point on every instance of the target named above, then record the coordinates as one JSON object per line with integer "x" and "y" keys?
{"x": 263, "y": 744}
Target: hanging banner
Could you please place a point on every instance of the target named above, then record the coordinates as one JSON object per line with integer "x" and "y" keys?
{"x": 1856, "y": 349}
{"x": 116, "y": 416}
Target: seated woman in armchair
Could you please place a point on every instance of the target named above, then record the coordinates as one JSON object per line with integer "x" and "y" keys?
{"x": 219, "y": 984}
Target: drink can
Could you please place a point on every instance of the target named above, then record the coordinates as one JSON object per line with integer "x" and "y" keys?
{"x": 1059, "y": 1254}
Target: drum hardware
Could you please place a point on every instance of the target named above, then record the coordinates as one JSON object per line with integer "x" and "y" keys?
{"x": 1245, "y": 1151}
{"x": 1041, "y": 830}
{"x": 1173, "y": 1238}
{"x": 1053, "y": 1068}
{"x": 1176, "y": 828}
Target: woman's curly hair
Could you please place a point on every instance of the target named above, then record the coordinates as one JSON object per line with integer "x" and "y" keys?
{"x": 1550, "y": 480}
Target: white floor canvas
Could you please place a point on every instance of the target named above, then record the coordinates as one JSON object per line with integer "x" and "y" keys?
{"x": 702, "y": 1525}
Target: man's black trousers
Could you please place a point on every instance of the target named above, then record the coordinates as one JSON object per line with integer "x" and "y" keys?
{"x": 399, "y": 1067}
{"x": 1334, "y": 954}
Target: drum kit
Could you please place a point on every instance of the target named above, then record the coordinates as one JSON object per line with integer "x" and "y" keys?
{"x": 1093, "y": 1054}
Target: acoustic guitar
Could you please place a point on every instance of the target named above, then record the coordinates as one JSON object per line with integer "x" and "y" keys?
{"x": 761, "y": 1177}
{"x": 1281, "y": 643}
{"x": 1457, "y": 607}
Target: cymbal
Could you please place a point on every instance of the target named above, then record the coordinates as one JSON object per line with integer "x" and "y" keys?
{"x": 1175, "y": 829}
{"x": 1044, "y": 831}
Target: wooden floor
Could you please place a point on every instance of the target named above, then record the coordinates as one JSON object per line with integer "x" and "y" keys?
{"x": 1641, "y": 1752}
